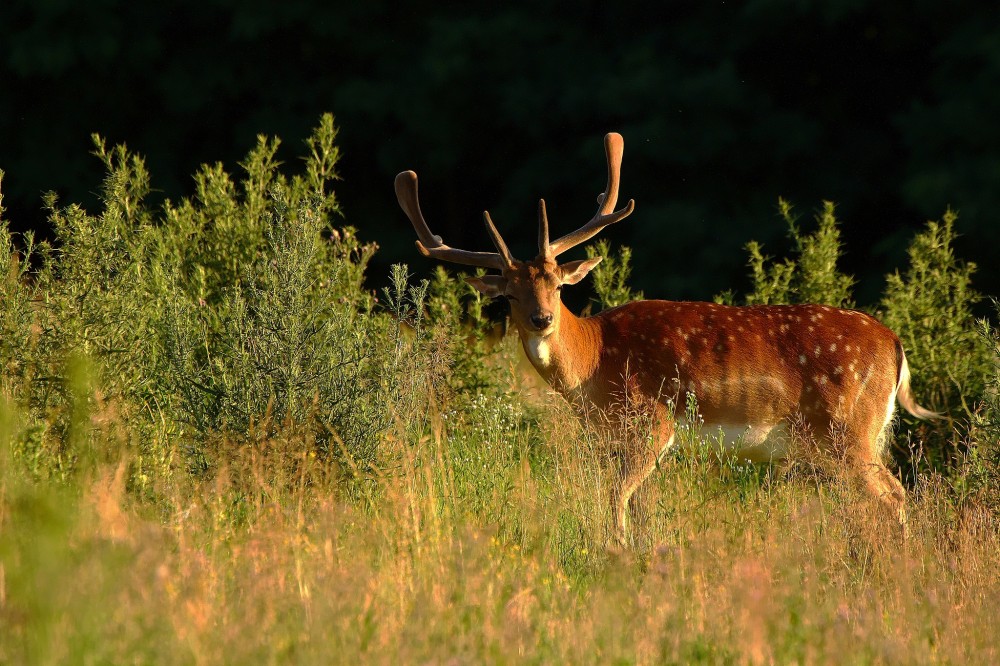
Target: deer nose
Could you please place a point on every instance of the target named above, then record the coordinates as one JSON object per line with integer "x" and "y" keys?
{"x": 541, "y": 320}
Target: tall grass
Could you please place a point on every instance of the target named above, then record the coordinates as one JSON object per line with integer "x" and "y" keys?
{"x": 485, "y": 545}
{"x": 217, "y": 447}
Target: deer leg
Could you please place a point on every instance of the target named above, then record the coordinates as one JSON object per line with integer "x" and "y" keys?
{"x": 637, "y": 463}
{"x": 880, "y": 483}
{"x": 884, "y": 486}
{"x": 634, "y": 471}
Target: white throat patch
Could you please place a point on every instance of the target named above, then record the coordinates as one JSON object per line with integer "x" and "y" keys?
{"x": 538, "y": 350}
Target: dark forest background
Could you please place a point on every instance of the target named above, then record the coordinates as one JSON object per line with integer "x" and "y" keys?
{"x": 889, "y": 109}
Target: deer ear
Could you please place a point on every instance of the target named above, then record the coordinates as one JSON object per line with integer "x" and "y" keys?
{"x": 492, "y": 286}
{"x": 575, "y": 271}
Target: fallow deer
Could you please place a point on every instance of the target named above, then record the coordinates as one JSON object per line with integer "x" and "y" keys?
{"x": 754, "y": 370}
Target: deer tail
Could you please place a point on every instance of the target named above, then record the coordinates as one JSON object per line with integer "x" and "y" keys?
{"x": 905, "y": 396}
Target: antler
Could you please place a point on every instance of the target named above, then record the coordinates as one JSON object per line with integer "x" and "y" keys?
{"x": 613, "y": 147}
{"x": 543, "y": 229}
{"x": 433, "y": 246}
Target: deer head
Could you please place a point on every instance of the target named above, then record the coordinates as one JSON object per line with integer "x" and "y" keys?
{"x": 532, "y": 287}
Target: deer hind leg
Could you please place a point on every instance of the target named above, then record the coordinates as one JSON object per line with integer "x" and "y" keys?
{"x": 867, "y": 458}
{"x": 890, "y": 491}
{"x": 886, "y": 490}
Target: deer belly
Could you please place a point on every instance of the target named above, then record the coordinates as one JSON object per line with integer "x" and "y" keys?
{"x": 759, "y": 443}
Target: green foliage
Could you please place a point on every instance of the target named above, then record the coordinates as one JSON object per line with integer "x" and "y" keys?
{"x": 293, "y": 340}
{"x": 987, "y": 424}
{"x": 811, "y": 277}
{"x": 99, "y": 298}
{"x": 419, "y": 362}
{"x": 221, "y": 230}
{"x": 239, "y": 308}
{"x": 16, "y": 311}
{"x": 611, "y": 276}
{"x": 467, "y": 330}
{"x": 930, "y": 306}
{"x": 991, "y": 339}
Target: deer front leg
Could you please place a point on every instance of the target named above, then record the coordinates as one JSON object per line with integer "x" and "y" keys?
{"x": 637, "y": 461}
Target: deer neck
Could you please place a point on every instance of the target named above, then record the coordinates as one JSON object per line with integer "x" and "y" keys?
{"x": 569, "y": 355}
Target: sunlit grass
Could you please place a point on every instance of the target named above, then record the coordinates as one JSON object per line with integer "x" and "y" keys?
{"x": 487, "y": 542}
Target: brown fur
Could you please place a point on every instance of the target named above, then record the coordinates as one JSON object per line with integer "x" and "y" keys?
{"x": 835, "y": 370}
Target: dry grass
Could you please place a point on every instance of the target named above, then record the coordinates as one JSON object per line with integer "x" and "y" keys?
{"x": 484, "y": 541}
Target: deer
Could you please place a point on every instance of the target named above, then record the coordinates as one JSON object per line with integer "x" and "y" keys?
{"x": 758, "y": 374}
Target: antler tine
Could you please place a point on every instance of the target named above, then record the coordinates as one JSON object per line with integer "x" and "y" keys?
{"x": 497, "y": 239}
{"x": 431, "y": 245}
{"x": 543, "y": 230}
{"x": 614, "y": 146}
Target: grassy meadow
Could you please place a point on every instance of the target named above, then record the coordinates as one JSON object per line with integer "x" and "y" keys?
{"x": 216, "y": 446}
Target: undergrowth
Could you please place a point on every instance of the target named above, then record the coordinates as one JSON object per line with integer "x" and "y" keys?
{"x": 217, "y": 447}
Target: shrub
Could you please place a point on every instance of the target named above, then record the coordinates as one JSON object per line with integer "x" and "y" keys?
{"x": 466, "y": 328}
{"x": 239, "y": 307}
{"x": 287, "y": 342}
{"x": 610, "y": 277}
{"x": 811, "y": 277}
{"x": 987, "y": 425}
{"x": 930, "y": 306}
{"x": 16, "y": 309}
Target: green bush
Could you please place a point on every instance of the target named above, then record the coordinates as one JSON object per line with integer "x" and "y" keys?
{"x": 16, "y": 308}
{"x": 987, "y": 425}
{"x": 811, "y": 277}
{"x": 239, "y": 307}
{"x": 930, "y": 306}
{"x": 990, "y": 423}
{"x": 467, "y": 329}
{"x": 292, "y": 340}
{"x": 610, "y": 277}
